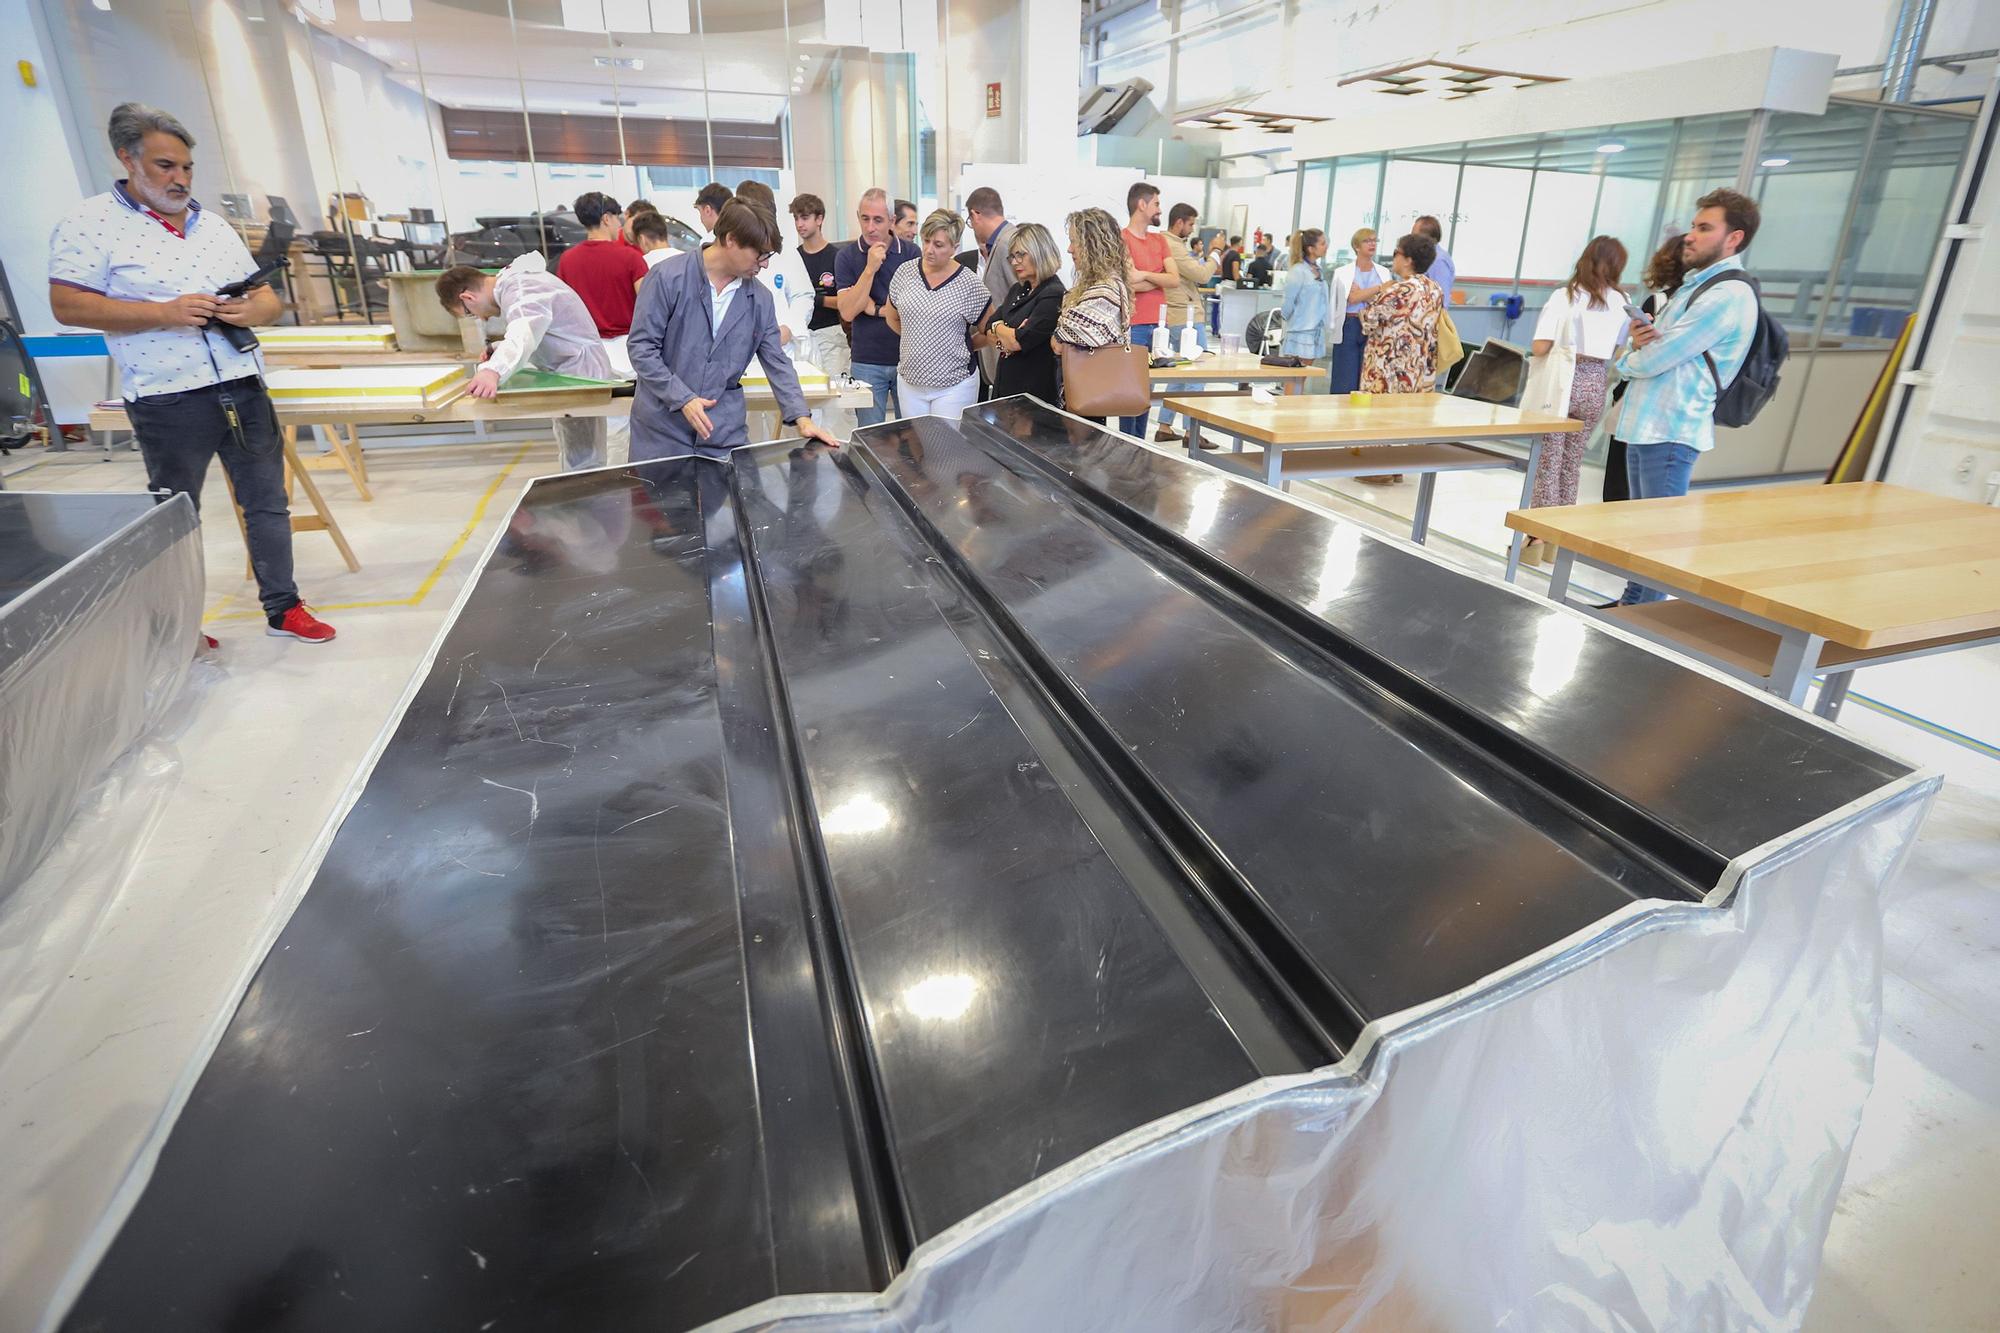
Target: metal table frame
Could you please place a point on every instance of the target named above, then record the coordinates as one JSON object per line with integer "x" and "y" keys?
{"x": 1374, "y": 459}
{"x": 1794, "y": 667}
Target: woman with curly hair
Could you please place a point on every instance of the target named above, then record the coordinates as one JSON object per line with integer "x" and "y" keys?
{"x": 1097, "y": 312}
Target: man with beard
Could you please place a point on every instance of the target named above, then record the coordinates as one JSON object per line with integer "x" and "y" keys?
{"x": 144, "y": 264}
{"x": 1679, "y": 364}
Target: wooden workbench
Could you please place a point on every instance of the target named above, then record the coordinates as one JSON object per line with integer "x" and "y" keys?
{"x": 1780, "y": 583}
{"x": 1231, "y": 369}
{"x": 1321, "y": 435}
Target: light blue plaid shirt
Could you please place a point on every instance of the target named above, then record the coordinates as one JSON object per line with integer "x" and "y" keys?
{"x": 1671, "y": 395}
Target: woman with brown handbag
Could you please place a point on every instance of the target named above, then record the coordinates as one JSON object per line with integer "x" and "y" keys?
{"x": 1102, "y": 373}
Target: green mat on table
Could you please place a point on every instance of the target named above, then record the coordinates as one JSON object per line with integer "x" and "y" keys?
{"x": 529, "y": 380}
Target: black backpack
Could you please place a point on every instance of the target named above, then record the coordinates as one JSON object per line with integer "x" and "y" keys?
{"x": 1738, "y": 402}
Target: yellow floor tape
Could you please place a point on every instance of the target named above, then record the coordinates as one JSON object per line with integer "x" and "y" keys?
{"x": 430, "y": 580}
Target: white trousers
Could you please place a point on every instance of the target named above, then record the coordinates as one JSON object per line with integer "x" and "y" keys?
{"x": 946, "y": 402}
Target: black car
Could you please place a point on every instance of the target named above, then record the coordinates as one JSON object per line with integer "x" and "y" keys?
{"x": 501, "y": 240}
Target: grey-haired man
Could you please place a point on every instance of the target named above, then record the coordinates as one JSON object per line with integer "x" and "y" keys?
{"x": 143, "y": 263}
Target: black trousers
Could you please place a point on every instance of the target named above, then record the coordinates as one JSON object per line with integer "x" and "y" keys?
{"x": 180, "y": 432}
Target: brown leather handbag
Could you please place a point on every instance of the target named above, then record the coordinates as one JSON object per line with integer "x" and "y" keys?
{"x": 1106, "y": 381}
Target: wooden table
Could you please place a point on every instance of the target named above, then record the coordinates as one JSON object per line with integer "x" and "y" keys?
{"x": 1327, "y": 436}
{"x": 1231, "y": 369}
{"x": 1779, "y": 583}
{"x": 338, "y": 422}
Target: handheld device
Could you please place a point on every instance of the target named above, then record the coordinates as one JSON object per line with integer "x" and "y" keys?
{"x": 1634, "y": 312}
{"x": 236, "y": 335}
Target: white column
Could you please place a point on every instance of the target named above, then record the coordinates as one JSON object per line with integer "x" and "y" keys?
{"x": 1051, "y": 36}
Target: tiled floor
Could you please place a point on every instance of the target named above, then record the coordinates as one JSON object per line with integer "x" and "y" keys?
{"x": 113, "y": 990}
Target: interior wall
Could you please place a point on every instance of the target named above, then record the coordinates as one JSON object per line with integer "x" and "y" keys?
{"x": 36, "y": 126}
{"x": 983, "y": 47}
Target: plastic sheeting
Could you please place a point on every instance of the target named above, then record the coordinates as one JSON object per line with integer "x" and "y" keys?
{"x": 1645, "y": 1127}
{"x": 100, "y": 602}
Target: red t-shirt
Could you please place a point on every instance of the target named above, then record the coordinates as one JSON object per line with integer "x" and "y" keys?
{"x": 603, "y": 274}
{"x": 1149, "y": 255}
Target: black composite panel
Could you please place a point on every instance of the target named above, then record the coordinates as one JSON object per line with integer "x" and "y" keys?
{"x": 782, "y": 859}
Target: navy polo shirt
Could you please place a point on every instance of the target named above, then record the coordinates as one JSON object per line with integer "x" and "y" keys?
{"x": 874, "y": 344}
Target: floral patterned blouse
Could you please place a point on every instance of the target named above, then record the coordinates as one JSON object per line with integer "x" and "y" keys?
{"x": 1402, "y": 331}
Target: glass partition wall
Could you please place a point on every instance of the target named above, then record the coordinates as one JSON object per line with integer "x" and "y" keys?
{"x": 1852, "y": 204}
{"x": 368, "y": 138}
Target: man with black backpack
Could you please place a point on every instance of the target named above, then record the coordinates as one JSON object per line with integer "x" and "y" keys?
{"x": 1711, "y": 357}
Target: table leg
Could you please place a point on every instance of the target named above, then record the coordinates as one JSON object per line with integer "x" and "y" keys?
{"x": 354, "y": 448}
{"x": 322, "y": 517}
{"x": 346, "y": 451}
{"x": 1527, "y": 502}
{"x": 1194, "y": 438}
{"x": 1420, "y": 522}
{"x": 1274, "y": 467}
{"x": 1559, "y": 576}
{"x": 1796, "y": 664}
{"x": 1832, "y": 694}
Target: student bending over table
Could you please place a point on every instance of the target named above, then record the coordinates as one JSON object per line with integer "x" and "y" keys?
{"x": 547, "y": 326}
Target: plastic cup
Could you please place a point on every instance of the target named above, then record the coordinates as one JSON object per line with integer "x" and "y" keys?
{"x": 1231, "y": 344}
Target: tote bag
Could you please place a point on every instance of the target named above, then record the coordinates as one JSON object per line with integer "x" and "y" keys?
{"x": 1106, "y": 381}
{"x": 1551, "y": 377}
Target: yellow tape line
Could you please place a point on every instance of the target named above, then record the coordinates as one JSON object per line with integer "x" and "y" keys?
{"x": 430, "y": 580}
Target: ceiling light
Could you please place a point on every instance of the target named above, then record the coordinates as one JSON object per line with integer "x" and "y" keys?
{"x": 1442, "y": 79}
{"x": 104, "y": 5}
{"x": 1611, "y": 146}
{"x": 618, "y": 62}
{"x": 1777, "y": 161}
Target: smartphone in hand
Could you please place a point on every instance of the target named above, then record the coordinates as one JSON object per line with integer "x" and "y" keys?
{"x": 1634, "y": 312}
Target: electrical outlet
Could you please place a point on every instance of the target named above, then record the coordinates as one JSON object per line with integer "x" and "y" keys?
{"x": 1963, "y": 472}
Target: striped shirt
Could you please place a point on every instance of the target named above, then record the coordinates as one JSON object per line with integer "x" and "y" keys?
{"x": 1670, "y": 396}
{"x": 1095, "y": 319}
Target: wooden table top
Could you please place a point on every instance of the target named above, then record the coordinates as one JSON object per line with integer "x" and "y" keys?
{"x": 522, "y": 407}
{"x": 1233, "y": 368}
{"x": 1862, "y": 564}
{"x": 340, "y": 358}
{"x": 1391, "y": 418}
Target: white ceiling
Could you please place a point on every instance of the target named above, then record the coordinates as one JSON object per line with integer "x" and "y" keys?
{"x": 468, "y": 53}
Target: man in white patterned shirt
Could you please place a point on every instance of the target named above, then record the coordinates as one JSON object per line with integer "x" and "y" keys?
{"x": 143, "y": 263}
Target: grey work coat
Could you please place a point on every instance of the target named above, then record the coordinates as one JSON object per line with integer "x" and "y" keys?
{"x": 677, "y": 358}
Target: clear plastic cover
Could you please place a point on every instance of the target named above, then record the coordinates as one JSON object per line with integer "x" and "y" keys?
{"x": 1642, "y": 1128}
{"x": 97, "y": 635}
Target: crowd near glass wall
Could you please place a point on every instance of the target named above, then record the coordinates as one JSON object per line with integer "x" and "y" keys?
{"x": 368, "y": 136}
{"x": 1852, "y": 201}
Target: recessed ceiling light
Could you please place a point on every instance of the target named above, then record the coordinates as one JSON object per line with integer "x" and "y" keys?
{"x": 1611, "y": 146}
{"x": 1777, "y": 161}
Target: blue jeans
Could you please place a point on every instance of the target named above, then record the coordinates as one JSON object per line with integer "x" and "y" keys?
{"x": 1201, "y": 336}
{"x": 1653, "y": 471}
{"x": 881, "y": 380}
{"x": 1142, "y": 336}
{"x": 180, "y": 433}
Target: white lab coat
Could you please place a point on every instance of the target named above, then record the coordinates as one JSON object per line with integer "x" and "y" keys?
{"x": 547, "y": 324}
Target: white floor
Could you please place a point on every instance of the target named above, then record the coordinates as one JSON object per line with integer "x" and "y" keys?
{"x": 122, "y": 989}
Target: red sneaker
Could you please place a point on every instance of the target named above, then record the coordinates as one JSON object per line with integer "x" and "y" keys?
{"x": 299, "y": 623}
